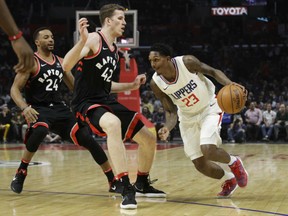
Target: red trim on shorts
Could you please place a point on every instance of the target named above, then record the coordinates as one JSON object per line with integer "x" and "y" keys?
{"x": 132, "y": 125}
{"x": 94, "y": 129}
{"x": 40, "y": 124}
{"x": 220, "y": 118}
{"x": 73, "y": 132}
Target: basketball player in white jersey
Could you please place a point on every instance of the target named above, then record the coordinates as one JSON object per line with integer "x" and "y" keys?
{"x": 181, "y": 85}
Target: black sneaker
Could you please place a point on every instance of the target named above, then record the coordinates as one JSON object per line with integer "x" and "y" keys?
{"x": 18, "y": 181}
{"x": 128, "y": 198}
{"x": 146, "y": 190}
{"x": 116, "y": 186}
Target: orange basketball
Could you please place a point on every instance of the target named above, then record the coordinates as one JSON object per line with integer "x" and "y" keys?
{"x": 231, "y": 99}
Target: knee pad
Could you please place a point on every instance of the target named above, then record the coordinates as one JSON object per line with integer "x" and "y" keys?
{"x": 35, "y": 137}
{"x": 85, "y": 139}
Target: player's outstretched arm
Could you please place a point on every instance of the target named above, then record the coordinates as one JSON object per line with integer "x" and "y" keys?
{"x": 19, "y": 44}
{"x": 80, "y": 49}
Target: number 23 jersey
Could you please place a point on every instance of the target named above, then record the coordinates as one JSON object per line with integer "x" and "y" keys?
{"x": 42, "y": 87}
{"x": 190, "y": 92}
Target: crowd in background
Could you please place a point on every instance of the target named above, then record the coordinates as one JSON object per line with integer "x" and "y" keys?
{"x": 254, "y": 57}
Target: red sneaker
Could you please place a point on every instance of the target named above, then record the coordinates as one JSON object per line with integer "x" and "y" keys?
{"x": 240, "y": 173}
{"x": 228, "y": 187}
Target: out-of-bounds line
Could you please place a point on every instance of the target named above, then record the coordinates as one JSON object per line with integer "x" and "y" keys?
{"x": 171, "y": 201}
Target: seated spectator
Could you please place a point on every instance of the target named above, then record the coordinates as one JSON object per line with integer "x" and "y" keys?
{"x": 159, "y": 118}
{"x": 236, "y": 131}
{"x": 5, "y": 121}
{"x": 281, "y": 121}
{"x": 148, "y": 104}
{"x": 19, "y": 126}
{"x": 267, "y": 127}
{"x": 227, "y": 120}
{"x": 147, "y": 113}
{"x": 253, "y": 118}
{"x": 52, "y": 138}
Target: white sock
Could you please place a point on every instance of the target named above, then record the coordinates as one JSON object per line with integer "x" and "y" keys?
{"x": 227, "y": 175}
{"x": 232, "y": 160}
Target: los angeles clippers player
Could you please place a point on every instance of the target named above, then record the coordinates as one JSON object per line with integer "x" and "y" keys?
{"x": 44, "y": 109}
{"x": 183, "y": 89}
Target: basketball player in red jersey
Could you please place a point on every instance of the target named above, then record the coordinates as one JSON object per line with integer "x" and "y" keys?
{"x": 18, "y": 42}
{"x": 44, "y": 109}
{"x": 98, "y": 58}
{"x": 181, "y": 86}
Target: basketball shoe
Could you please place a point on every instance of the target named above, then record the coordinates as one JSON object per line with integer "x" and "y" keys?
{"x": 240, "y": 173}
{"x": 144, "y": 189}
{"x": 116, "y": 186}
{"x": 228, "y": 187}
{"x": 18, "y": 181}
{"x": 128, "y": 198}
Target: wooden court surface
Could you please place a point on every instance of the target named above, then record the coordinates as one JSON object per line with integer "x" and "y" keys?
{"x": 64, "y": 180}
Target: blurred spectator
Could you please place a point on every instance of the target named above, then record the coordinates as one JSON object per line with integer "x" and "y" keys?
{"x": 227, "y": 120}
{"x": 236, "y": 132}
{"x": 146, "y": 113}
{"x": 253, "y": 117}
{"x": 52, "y": 138}
{"x": 281, "y": 122}
{"x": 5, "y": 122}
{"x": 147, "y": 103}
{"x": 19, "y": 126}
{"x": 267, "y": 127}
{"x": 159, "y": 118}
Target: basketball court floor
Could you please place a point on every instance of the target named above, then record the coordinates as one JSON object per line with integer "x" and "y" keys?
{"x": 64, "y": 180}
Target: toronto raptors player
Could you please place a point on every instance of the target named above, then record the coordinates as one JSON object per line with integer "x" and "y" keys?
{"x": 44, "y": 109}
{"x": 184, "y": 90}
{"x": 97, "y": 57}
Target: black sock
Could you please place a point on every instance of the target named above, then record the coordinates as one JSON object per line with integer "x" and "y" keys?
{"x": 110, "y": 175}
{"x": 142, "y": 177}
{"x": 24, "y": 165}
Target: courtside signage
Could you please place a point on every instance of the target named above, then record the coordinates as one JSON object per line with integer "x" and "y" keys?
{"x": 229, "y": 11}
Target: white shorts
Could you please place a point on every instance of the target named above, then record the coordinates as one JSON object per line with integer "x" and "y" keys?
{"x": 203, "y": 128}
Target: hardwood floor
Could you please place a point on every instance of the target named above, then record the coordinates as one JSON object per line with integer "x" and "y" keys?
{"x": 64, "y": 180}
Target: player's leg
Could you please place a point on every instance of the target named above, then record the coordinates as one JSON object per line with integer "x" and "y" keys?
{"x": 210, "y": 138}
{"x": 81, "y": 135}
{"x": 146, "y": 151}
{"x": 34, "y": 137}
{"x": 103, "y": 120}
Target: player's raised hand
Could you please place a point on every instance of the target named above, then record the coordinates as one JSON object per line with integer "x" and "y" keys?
{"x": 83, "y": 25}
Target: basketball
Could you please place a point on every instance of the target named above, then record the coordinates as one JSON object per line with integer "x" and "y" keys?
{"x": 231, "y": 99}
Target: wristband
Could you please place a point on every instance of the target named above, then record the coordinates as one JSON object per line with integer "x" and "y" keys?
{"x": 16, "y": 37}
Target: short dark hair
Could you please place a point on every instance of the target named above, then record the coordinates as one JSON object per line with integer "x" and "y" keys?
{"x": 36, "y": 32}
{"x": 108, "y": 11}
{"x": 163, "y": 49}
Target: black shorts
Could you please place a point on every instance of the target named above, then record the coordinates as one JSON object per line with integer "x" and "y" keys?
{"x": 131, "y": 121}
{"x": 57, "y": 118}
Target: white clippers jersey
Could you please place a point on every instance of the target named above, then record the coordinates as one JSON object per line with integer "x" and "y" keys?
{"x": 190, "y": 92}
